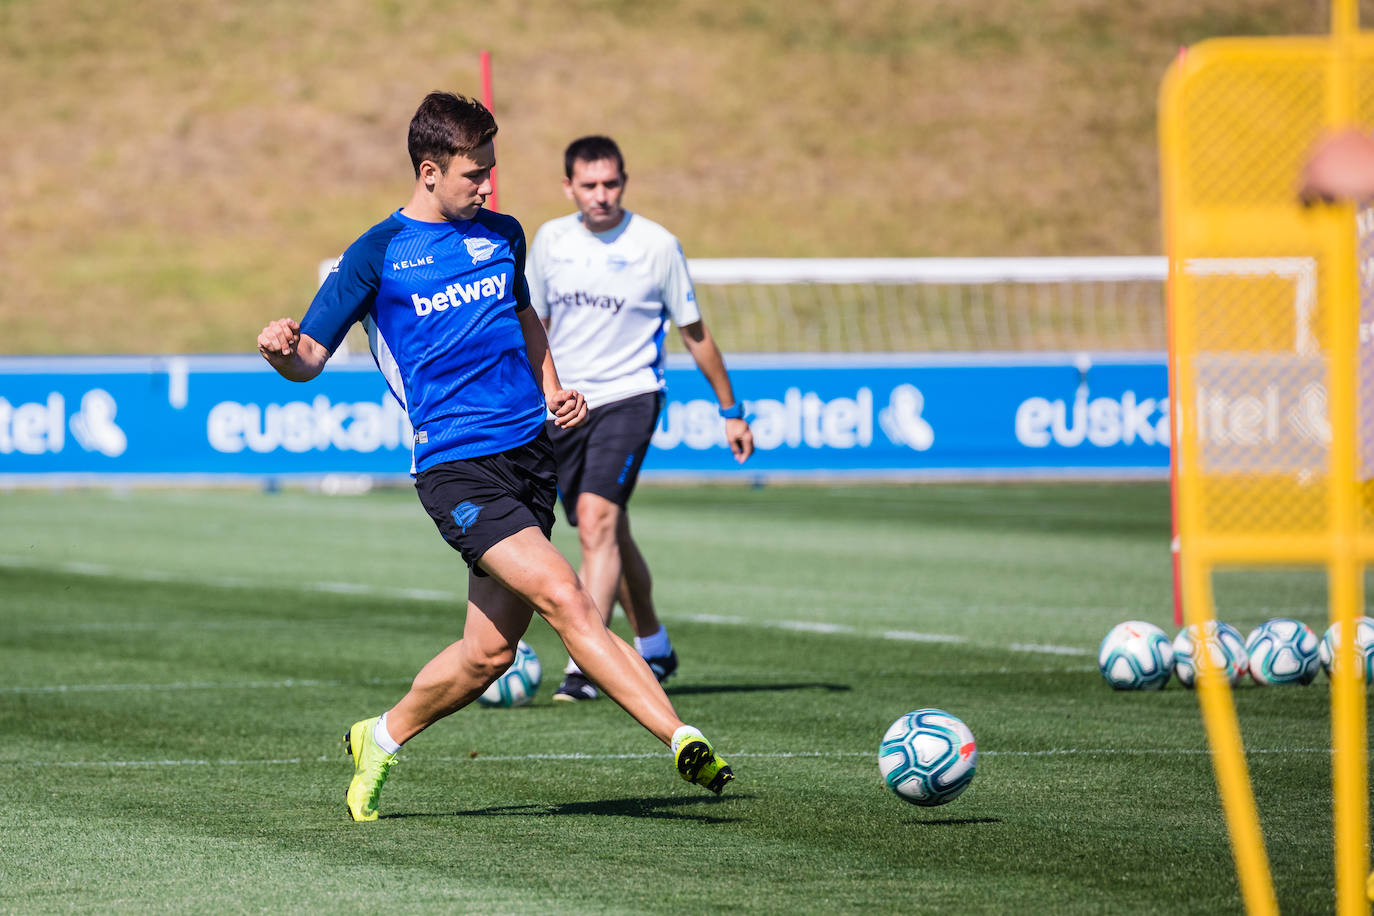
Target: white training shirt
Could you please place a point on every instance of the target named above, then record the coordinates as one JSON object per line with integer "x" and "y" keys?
{"x": 608, "y": 298}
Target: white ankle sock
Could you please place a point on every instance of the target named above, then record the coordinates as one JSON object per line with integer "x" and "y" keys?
{"x": 382, "y": 737}
{"x": 655, "y": 646}
{"x": 682, "y": 734}
{"x": 571, "y": 668}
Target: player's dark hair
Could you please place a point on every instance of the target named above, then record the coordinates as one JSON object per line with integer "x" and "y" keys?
{"x": 446, "y": 125}
{"x": 592, "y": 149}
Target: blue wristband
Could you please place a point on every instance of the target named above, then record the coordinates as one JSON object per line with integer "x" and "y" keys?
{"x": 733, "y": 413}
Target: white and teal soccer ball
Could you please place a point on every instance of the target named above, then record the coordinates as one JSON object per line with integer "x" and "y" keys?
{"x": 1223, "y": 645}
{"x": 928, "y": 757}
{"x": 1282, "y": 651}
{"x": 1136, "y": 655}
{"x": 517, "y": 686}
{"x": 1364, "y": 648}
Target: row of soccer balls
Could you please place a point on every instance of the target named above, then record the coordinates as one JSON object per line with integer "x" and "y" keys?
{"x": 927, "y": 757}
{"x": 1137, "y": 655}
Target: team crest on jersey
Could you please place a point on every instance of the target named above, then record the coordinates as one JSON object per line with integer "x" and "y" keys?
{"x": 480, "y": 249}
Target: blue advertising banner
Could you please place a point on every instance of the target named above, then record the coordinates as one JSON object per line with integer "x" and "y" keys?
{"x": 909, "y": 415}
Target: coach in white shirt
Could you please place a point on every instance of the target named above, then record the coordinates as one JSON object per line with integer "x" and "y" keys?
{"x": 607, "y": 283}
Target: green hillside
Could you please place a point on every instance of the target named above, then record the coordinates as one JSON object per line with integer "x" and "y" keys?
{"x": 173, "y": 172}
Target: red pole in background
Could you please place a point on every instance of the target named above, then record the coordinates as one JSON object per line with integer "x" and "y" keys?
{"x": 485, "y": 58}
{"x": 1175, "y": 426}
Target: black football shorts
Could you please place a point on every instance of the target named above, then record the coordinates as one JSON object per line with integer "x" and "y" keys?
{"x": 603, "y": 455}
{"x": 478, "y": 502}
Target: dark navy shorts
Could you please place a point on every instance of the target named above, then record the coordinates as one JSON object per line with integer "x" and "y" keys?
{"x": 604, "y": 454}
{"x": 478, "y": 502}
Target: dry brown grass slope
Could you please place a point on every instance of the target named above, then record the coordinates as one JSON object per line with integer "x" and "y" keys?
{"x": 173, "y": 171}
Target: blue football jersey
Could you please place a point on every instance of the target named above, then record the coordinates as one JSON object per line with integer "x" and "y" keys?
{"x": 439, "y": 303}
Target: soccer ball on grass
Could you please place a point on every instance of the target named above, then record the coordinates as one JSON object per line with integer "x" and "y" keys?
{"x": 517, "y": 685}
{"x": 1223, "y": 645}
{"x": 1282, "y": 651}
{"x": 1136, "y": 655}
{"x": 928, "y": 757}
{"x": 1364, "y": 648}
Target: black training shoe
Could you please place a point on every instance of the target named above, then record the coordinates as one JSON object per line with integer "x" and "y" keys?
{"x": 576, "y": 688}
{"x": 663, "y": 666}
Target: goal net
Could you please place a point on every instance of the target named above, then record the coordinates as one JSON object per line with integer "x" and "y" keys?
{"x": 934, "y": 304}
{"x": 895, "y": 305}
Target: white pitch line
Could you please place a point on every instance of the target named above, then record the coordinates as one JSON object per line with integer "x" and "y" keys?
{"x": 1149, "y": 752}
{"x": 809, "y": 626}
{"x": 715, "y": 618}
{"x": 909, "y": 636}
{"x": 293, "y": 683}
{"x": 733, "y": 755}
{"x": 160, "y": 576}
{"x": 202, "y": 685}
{"x": 424, "y": 594}
{"x": 69, "y": 764}
{"x": 1048, "y": 649}
{"x": 364, "y": 590}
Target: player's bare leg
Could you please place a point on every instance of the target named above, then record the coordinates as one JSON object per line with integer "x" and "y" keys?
{"x": 597, "y": 525}
{"x": 609, "y": 556}
{"x": 526, "y": 563}
{"x": 452, "y": 679}
{"x": 529, "y": 565}
{"x": 598, "y": 521}
{"x": 496, "y": 619}
{"x": 635, "y": 591}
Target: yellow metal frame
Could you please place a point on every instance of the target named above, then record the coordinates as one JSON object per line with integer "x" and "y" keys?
{"x": 1266, "y": 225}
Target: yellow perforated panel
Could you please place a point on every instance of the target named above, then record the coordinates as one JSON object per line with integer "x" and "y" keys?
{"x": 1272, "y": 374}
{"x": 1254, "y": 322}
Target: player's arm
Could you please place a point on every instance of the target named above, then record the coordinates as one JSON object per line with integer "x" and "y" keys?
{"x": 709, "y": 360}
{"x": 569, "y": 408}
{"x": 1340, "y": 167}
{"x": 295, "y": 356}
{"x": 534, "y": 275}
{"x": 344, "y": 298}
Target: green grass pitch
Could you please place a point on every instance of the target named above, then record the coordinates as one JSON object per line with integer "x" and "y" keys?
{"x": 179, "y": 666}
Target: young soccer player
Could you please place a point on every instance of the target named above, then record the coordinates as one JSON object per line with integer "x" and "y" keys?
{"x": 440, "y": 287}
{"x": 606, "y": 282}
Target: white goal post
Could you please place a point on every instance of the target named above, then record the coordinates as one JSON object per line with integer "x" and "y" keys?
{"x": 815, "y": 305}
{"x": 934, "y": 304}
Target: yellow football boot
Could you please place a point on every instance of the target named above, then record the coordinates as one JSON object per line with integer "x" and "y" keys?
{"x": 370, "y": 766}
{"x": 697, "y": 762}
